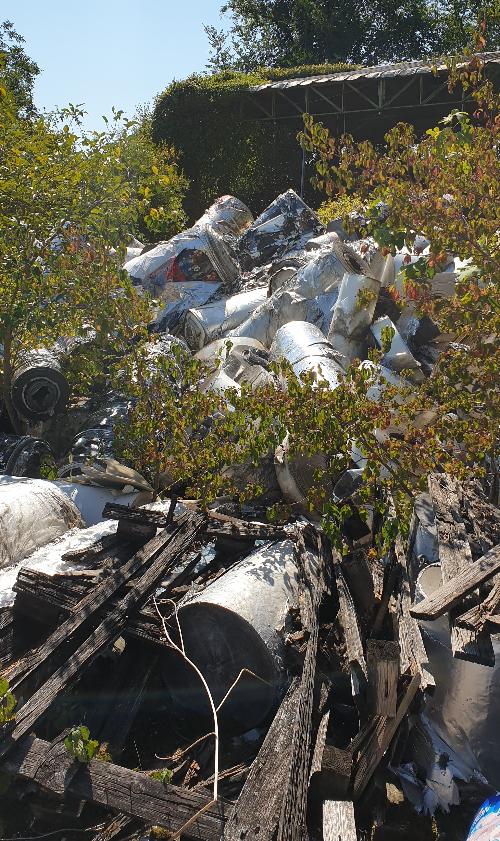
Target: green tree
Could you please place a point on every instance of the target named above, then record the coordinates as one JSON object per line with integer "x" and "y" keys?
{"x": 17, "y": 70}
{"x": 180, "y": 431}
{"x": 152, "y": 171}
{"x": 446, "y": 187}
{"x": 68, "y": 206}
{"x": 285, "y": 33}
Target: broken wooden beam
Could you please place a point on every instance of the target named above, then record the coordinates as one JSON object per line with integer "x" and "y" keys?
{"x": 33, "y": 708}
{"x": 256, "y": 812}
{"x": 455, "y": 556}
{"x": 116, "y": 788}
{"x": 32, "y": 670}
{"x": 454, "y": 590}
{"x": 140, "y": 516}
{"x": 380, "y": 732}
{"x": 292, "y": 822}
{"x": 382, "y": 662}
{"x": 412, "y": 650}
{"x": 339, "y": 823}
{"x": 477, "y": 618}
{"x": 359, "y": 578}
{"x": 349, "y": 622}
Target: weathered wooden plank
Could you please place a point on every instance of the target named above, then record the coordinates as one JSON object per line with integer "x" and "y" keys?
{"x": 30, "y": 672}
{"x": 451, "y": 593}
{"x": 6, "y": 636}
{"x": 412, "y": 649}
{"x": 454, "y": 556}
{"x": 477, "y": 618}
{"x": 292, "y": 822}
{"x": 359, "y": 579}
{"x": 382, "y": 661}
{"x": 380, "y": 733}
{"x": 116, "y": 788}
{"x": 104, "y": 635}
{"x": 256, "y": 812}
{"x": 140, "y": 516}
{"x": 34, "y": 666}
{"x": 339, "y": 823}
{"x": 348, "y": 619}
{"x": 95, "y": 551}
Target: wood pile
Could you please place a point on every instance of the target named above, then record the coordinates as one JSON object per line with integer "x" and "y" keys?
{"x": 356, "y": 661}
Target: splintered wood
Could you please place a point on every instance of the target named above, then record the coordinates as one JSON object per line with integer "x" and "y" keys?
{"x": 354, "y": 665}
{"x": 455, "y": 557}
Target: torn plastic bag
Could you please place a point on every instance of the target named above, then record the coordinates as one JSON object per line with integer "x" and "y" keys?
{"x": 289, "y": 302}
{"x": 23, "y": 455}
{"x": 464, "y": 707}
{"x": 353, "y": 314}
{"x": 203, "y": 253}
{"x": 178, "y": 299}
{"x": 39, "y": 387}
{"x": 203, "y": 324}
{"x": 286, "y": 225}
{"x": 32, "y": 513}
{"x": 237, "y": 624}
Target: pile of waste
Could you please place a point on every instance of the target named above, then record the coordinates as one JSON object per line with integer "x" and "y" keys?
{"x": 206, "y": 672}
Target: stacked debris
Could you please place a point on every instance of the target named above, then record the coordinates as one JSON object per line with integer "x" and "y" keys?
{"x": 246, "y": 680}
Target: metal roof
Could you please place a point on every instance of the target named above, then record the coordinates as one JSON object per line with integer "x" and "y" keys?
{"x": 382, "y": 71}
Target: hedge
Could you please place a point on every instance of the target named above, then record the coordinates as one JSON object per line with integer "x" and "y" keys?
{"x": 219, "y": 151}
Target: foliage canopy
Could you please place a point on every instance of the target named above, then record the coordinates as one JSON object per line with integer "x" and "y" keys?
{"x": 69, "y": 203}
{"x": 284, "y": 33}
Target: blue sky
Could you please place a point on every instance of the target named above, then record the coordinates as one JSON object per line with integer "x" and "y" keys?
{"x": 111, "y": 52}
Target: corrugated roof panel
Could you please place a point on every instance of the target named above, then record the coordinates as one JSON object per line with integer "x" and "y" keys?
{"x": 409, "y": 68}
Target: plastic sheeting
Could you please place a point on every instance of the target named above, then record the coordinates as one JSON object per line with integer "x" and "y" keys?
{"x": 203, "y": 253}
{"x": 464, "y": 706}
{"x": 205, "y": 323}
{"x": 293, "y": 301}
{"x": 90, "y": 500}
{"x": 307, "y": 350}
{"x": 286, "y": 225}
{"x": 32, "y": 513}
{"x": 353, "y": 314}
